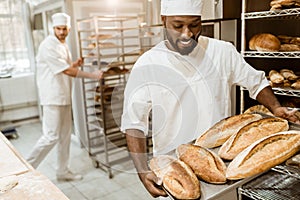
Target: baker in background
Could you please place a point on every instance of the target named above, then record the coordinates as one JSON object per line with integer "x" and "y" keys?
{"x": 185, "y": 82}
{"x": 55, "y": 70}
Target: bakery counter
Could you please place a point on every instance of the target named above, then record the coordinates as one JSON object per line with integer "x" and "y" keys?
{"x": 19, "y": 180}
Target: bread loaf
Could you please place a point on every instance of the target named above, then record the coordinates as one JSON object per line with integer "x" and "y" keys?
{"x": 177, "y": 177}
{"x": 260, "y": 109}
{"x": 264, "y": 154}
{"x": 288, "y": 74}
{"x": 276, "y": 77}
{"x": 206, "y": 164}
{"x": 222, "y": 130}
{"x": 289, "y": 47}
{"x": 296, "y": 85}
{"x": 264, "y": 42}
{"x": 251, "y": 133}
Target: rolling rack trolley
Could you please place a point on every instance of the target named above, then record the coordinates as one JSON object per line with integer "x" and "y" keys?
{"x": 113, "y": 44}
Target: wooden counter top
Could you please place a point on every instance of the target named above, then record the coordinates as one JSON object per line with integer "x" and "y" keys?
{"x": 32, "y": 185}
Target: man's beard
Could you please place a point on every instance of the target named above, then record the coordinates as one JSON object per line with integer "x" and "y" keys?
{"x": 182, "y": 51}
{"x": 61, "y": 37}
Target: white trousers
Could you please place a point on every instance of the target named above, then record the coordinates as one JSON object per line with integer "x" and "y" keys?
{"x": 57, "y": 127}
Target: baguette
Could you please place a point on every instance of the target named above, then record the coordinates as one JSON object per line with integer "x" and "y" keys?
{"x": 259, "y": 108}
{"x": 251, "y": 133}
{"x": 206, "y": 164}
{"x": 222, "y": 130}
{"x": 177, "y": 177}
{"x": 264, "y": 154}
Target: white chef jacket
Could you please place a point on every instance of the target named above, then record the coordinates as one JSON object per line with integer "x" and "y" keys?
{"x": 187, "y": 94}
{"x": 54, "y": 87}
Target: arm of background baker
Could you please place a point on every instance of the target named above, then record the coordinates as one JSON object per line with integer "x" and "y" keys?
{"x": 74, "y": 71}
{"x": 269, "y": 100}
{"x": 136, "y": 142}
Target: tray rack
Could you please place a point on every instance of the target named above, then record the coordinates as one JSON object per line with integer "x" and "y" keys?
{"x": 280, "y": 183}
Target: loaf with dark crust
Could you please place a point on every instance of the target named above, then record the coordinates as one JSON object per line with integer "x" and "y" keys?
{"x": 251, "y": 133}
{"x": 264, "y": 154}
{"x": 206, "y": 164}
{"x": 222, "y": 130}
{"x": 177, "y": 177}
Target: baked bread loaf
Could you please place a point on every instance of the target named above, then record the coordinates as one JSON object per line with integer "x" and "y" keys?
{"x": 222, "y": 130}
{"x": 296, "y": 85}
{"x": 289, "y": 47}
{"x": 264, "y": 42}
{"x": 251, "y": 133}
{"x": 276, "y": 77}
{"x": 284, "y": 4}
{"x": 288, "y": 74}
{"x": 264, "y": 154}
{"x": 259, "y": 109}
{"x": 177, "y": 177}
{"x": 206, "y": 164}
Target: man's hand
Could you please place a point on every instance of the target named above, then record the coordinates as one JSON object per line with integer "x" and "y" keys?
{"x": 152, "y": 184}
{"x": 78, "y": 62}
{"x": 286, "y": 113}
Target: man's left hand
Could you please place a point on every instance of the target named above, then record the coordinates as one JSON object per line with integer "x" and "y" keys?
{"x": 287, "y": 113}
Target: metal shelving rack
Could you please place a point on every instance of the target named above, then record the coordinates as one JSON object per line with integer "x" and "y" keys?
{"x": 281, "y": 182}
{"x": 112, "y": 44}
{"x": 109, "y": 43}
{"x": 287, "y": 13}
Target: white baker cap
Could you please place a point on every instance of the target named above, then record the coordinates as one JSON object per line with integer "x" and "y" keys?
{"x": 181, "y": 7}
{"x": 61, "y": 19}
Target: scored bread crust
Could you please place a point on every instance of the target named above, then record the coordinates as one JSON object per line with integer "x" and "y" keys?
{"x": 259, "y": 108}
{"x": 251, "y": 133}
{"x": 177, "y": 177}
{"x": 264, "y": 154}
{"x": 222, "y": 130}
{"x": 206, "y": 164}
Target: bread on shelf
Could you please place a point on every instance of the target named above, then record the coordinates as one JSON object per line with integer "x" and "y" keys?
{"x": 264, "y": 42}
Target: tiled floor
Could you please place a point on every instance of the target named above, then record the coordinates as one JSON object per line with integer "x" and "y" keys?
{"x": 95, "y": 184}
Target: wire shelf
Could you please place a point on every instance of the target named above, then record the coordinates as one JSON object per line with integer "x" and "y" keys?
{"x": 286, "y": 92}
{"x": 272, "y": 13}
{"x": 272, "y": 186}
{"x": 286, "y": 54}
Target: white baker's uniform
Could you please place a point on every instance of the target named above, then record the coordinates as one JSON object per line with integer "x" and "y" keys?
{"x": 187, "y": 94}
{"x": 54, "y": 89}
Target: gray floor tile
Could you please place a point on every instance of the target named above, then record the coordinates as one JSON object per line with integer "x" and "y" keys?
{"x": 96, "y": 184}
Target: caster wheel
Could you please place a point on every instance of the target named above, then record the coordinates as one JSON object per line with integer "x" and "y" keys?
{"x": 96, "y": 164}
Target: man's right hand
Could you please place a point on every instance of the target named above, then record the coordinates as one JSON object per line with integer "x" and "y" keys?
{"x": 152, "y": 183}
